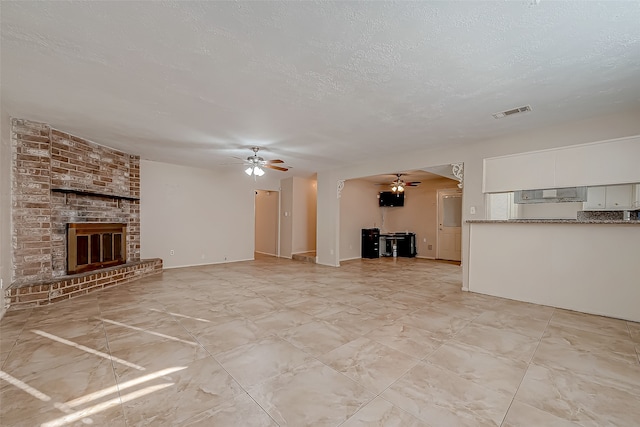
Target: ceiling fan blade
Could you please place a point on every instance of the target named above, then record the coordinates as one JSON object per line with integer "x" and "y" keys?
{"x": 413, "y": 184}
{"x": 275, "y": 161}
{"x": 278, "y": 168}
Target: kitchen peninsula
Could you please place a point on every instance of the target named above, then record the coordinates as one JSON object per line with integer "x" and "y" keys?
{"x": 585, "y": 265}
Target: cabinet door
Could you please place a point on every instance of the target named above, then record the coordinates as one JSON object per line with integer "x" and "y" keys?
{"x": 618, "y": 196}
{"x": 636, "y": 196}
{"x": 596, "y": 198}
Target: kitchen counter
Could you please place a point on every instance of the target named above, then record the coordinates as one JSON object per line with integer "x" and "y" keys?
{"x": 586, "y": 265}
{"x": 553, "y": 221}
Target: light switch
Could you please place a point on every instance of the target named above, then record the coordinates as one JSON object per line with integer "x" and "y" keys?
{"x": 472, "y": 210}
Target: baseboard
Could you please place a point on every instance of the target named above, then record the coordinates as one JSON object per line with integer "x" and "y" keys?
{"x": 265, "y": 253}
{"x": 425, "y": 257}
{"x": 207, "y": 263}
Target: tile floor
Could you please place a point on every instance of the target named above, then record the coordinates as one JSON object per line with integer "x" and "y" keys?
{"x": 275, "y": 342}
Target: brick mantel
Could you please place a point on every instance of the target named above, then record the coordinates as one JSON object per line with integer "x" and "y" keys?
{"x": 45, "y": 159}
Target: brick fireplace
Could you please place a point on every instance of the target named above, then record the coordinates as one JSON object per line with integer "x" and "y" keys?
{"x": 59, "y": 179}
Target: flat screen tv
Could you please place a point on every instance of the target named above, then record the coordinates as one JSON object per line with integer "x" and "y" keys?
{"x": 388, "y": 198}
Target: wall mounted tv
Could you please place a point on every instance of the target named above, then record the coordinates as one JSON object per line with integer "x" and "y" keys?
{"x": 388, "y": 198}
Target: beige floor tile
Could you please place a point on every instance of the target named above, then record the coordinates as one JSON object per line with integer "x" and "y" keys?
{"x": 255, "y": 307}
{"x": 380, "y": 413}
{"x": 224, "y": 337}
{"x": 356, "y": 320}
{"x": 240, "y": 411}
{"x": 476, "y": 365}
{"x": 258, "y": 361}
{"x": 590, "y": 342}
{"x": 277, "y": 321}
{"x": 311, "y": 395}
{"x": 523, "y": 309}
{"x": 634, "y": 330}
{"x": 130, "y": 359}
{"x": 317, "y": 337}
{"x": 582, "y": 399}
{"x": 500, "y": 342}
{"x": 408, "y": 339}
{"x": 605, "y": 367}
{"x": 266, "y": 319}
{"x": 590, "y": 323}
{"x": 33, "y": 400}
{"x": 369, "y": 363}
{"x": 513, "y": 322}
{"x": 123, "y": 336}
{"x": 441, "y": 398}
{"x": 43, "y": 354}
{"x": 523, "y": 415}
{"x": 317, "y": 306}
{"x": 411, "y": 299}
{"x": 176, "y": 396}
{"x": 441, "y": 325}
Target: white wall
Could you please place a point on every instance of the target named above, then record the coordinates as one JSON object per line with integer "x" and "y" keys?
{"x": 304, "y": 215}
{"x": 267, "y": 208}
{"x": 583, "y": 267}
{"x": 472, "y": 155}
{"x": 5, "y": 205}
{"x": 204, "y": 216}
{"x": 358, "y": 209}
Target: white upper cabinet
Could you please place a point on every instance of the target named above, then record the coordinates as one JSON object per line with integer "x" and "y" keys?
{"x": 529, "y": 171}
{"x": 610, "y": 197}
{"x": 596, "y": 164}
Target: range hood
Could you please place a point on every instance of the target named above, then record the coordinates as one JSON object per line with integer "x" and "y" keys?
{"x": 551, "y": 195}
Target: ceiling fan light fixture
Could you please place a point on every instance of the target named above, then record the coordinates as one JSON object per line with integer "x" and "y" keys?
{"x": 258, "y": 171}
{"x": 248, "y": 171}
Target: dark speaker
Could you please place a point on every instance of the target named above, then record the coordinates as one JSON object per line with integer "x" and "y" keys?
{"x": 370, "y": 243}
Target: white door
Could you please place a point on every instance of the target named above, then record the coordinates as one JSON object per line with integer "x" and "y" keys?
{"x": 449, "y": 225}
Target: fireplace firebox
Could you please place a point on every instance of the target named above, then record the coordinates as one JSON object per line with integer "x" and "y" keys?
{"x": 92, "y": 245}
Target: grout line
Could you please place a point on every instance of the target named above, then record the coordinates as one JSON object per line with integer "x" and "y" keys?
{"x": 528, "y": 366}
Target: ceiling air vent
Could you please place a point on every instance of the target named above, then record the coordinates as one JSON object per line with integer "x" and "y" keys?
{"x": 511, "y": 112}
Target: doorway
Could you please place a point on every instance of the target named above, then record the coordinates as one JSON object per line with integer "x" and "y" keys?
{"x": 449, "y": 225}
{"x": 267, "y": 204}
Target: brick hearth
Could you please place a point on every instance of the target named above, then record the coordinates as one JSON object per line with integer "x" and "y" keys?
{"x": 64, "y": 288}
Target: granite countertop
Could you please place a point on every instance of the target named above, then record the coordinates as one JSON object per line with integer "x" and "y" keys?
{"x": 553, "y": 221}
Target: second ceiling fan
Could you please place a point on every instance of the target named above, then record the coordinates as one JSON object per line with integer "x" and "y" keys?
{"x": 398, "y": 185}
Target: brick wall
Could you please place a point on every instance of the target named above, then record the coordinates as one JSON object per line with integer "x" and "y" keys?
{"x": 46, "y": 159}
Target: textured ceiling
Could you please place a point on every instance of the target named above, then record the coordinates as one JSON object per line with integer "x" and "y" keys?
{"x": 317, "y": 84}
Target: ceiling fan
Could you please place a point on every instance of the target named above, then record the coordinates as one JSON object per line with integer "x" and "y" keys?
{"x": 398, "y": 185}
{"x": 256, "y": 164}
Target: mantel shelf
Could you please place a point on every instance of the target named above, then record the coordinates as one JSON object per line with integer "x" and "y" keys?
{"x": 92, "y": 193}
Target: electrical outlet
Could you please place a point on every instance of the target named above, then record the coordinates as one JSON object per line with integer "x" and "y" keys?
{"x": 430, "y": 247}
{"x": 172, "y": 252}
